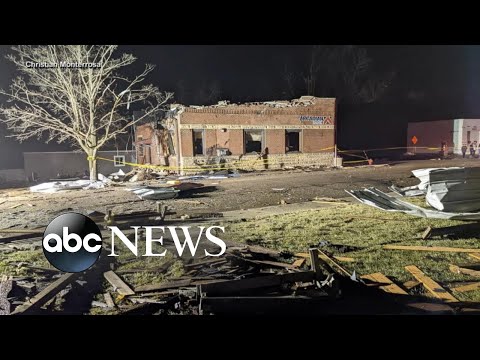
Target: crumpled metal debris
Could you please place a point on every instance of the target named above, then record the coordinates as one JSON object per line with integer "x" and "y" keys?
{"x": 454, "y": 189}
{"x": 378, "y": 199}
{"x": 155, "y": 193}
{"x": 54, "y": 186}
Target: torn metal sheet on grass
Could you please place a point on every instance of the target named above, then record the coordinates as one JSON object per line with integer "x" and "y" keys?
{"x": 378, "y": 199}
{"x": 152, "y": 193}
{"x": 455, "y": 189}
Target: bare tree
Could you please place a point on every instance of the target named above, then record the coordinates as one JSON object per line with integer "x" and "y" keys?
{"x": 344, "y": 72}
{"x": 76, "y": 94}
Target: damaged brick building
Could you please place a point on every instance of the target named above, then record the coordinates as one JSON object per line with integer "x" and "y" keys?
{"x": 272, "y": 134}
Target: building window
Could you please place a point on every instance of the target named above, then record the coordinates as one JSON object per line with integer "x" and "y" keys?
{"x": 119, "y": 160}
{"x": 253, "y": 141}
{"x": 198, "y": 138}
{"x": 171, "y": 148}
{"x": 292, "y": 141}
{"x": 468, "y": 136}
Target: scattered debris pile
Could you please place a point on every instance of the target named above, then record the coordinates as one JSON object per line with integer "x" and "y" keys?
{"x": 247, "y": 279}
{"x": 454, "y": 189}
{"x": 380, "y": 200}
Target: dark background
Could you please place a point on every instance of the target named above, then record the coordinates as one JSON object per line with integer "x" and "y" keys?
{"x": 432, "y": 82}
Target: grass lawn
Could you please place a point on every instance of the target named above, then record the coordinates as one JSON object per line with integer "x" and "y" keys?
{"x": 366, "y": 229}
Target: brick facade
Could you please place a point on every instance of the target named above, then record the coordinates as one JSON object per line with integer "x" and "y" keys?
{"x": 258, "y": 127}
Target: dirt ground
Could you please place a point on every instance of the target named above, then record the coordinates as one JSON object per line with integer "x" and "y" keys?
{"x": 22, "y": 209}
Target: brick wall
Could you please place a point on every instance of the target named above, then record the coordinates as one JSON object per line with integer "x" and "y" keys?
{"x": 275, "y": 141}
{"x": 254, "y": 163}
{"x": 316, "y": 140}
{"x": 186, "y": 139}
{"x": 313, "y": 140}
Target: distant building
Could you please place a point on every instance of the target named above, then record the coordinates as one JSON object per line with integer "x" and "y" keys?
{"x": 300, "y": 132}
{"x": 430, "y": 135}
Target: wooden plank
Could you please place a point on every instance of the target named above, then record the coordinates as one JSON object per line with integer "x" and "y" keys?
{"x": 432, "y": 286}
{"x": 465, "y": 288}
{"x": 108, "y": 300}
{"x": 460, "y": 270}
{"x": 339, "y": 258}
{"x": 6, "y": 284}
{"x": 430, "y": 248}
{"x": 20, "y": 231}
{"x": 163, "y": 286}
{"x": 315, "y": 263}
{"x": 382, "y": 279}
{"x": 299, "y": 262}
{"x": 267, "y": 262}
{"x": 411, "y": 284}
{"x": 331, "y": 261}
{"x": 475, "y": 256}
{"x": 46, "y": 294}
{"x": 206, "y": 262}
{"x": 118, "y": 284}
{"x": 235, "y": 286}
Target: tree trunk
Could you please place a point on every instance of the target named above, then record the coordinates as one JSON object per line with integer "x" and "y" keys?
{"x": 92, "y": 165}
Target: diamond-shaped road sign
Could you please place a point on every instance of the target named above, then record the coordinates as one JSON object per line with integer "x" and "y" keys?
{"x": 414, "y": 140}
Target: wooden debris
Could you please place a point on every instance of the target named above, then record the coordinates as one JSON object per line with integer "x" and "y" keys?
{"x": 99, "y": 304}
{"x": 429, "y": 248}
{"x": 15, "y": 206}
{"x": 235, "y": 286}
{"x": 206, "y": 262}
{"x": 391, "y": 287}
{"x": 268, "y": 262}
{"x": 475, "y": 256}
{"x": 163, "y": 286}
{"x": 6, "y": 284}
{"x": 465, "y": 288}
{"x": 461, "y": 270}
{"x": 298, "y": 263}
{"x": 315, "y": 263}
{"x": 108, "y": 300}
{"x": 411, "y": 284}
{"x": 432, "y": 286}
{"x": 331, "y": 261}
{"x": 426, "y": 233}
{"x": 451, "y": 230}
{"x": 46, "y": 294}
{"x": 118, "y": 284}
{"x": 21, "y": 231}
{"x": 339, "y": 258}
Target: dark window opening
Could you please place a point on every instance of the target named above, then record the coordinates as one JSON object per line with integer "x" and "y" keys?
{"x": 292, "y": 140}
{"x": 253, "y": 141}
{"x": 140, "y": 150}
{"x": 198, "y": 142}
{"x": 468, "y": 136}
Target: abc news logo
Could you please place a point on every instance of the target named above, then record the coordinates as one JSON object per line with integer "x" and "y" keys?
{"x": 72, "y": 242}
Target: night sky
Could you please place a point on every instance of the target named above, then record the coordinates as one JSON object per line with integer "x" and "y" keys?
{"x": 441, "y": 77}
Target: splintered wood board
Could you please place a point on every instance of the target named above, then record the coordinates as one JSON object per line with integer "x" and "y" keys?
{"x": 460, "y": 270}
{"x": 465, "y": 288}
{"x": 118, "y": 284}
{"x": 299, "y": 262}
{"x": 430, "y": 248}
{"x": 382, "y": 279}
{"x": 432, "y": 286}
{"x": 475, "y": 256}
{"x": 339, "y": 258}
